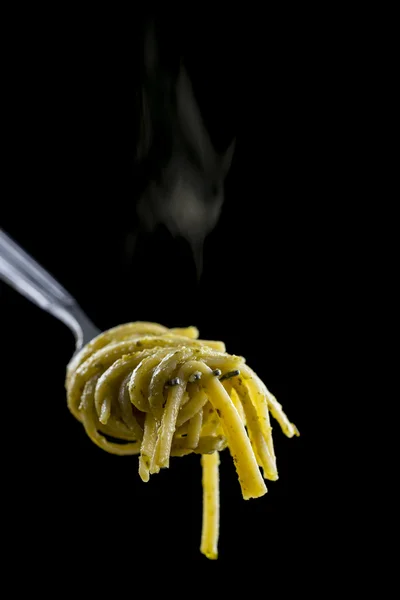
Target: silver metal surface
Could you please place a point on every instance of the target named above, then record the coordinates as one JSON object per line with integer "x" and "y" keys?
{"x": 23, "y": 273}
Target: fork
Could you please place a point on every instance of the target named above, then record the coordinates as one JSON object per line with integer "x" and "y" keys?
{"x": 23, "y": 273}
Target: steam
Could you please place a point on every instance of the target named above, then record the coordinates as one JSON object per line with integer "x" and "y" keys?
{"x": 185, "y": 191}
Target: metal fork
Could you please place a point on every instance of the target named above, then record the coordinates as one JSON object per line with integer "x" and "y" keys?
{"x": 23, "y": 273}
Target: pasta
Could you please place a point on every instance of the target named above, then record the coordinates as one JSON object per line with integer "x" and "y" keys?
{"x": 141, "y": 388}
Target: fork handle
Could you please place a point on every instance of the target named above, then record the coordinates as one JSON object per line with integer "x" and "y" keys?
{"x": 22, "y": 272}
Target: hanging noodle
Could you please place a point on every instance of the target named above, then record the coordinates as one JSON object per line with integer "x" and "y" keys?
{"x": 164, "y": 393}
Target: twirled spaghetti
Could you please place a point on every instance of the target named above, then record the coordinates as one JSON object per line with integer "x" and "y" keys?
{"x": 163, "y": 392}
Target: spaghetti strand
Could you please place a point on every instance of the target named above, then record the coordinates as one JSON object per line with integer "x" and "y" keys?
{"x": 161, "y": 392}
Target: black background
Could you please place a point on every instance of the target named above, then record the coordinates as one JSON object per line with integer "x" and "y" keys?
{"x": 71, "y": 86}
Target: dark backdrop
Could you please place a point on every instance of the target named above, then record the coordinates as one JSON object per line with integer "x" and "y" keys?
{"x": 71, "y": 205}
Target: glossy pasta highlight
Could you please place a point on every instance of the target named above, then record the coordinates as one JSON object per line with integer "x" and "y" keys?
{"x": 163, "y": 392}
